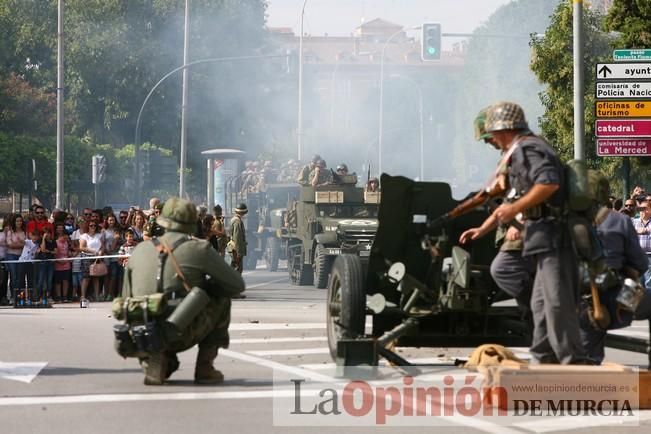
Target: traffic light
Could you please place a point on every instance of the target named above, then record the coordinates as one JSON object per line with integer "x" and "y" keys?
{"x": 431, "y": 42}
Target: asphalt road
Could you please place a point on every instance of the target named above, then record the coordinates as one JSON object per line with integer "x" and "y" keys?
{"x": 59, "y": 373}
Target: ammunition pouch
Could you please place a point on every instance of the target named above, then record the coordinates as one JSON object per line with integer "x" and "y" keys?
{"x": 132, "y": 308}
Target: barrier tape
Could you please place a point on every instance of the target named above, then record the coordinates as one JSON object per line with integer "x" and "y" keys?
{"x": 83, "y": 258}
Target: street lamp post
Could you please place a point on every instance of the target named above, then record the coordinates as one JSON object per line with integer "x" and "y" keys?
{"x": 60, "y": 112}
{"x": 137, "y": 191}
{"x": 299, "y": 130}
{"x": 420, "y": 112}
{"x": 184, "y": 103}
{"x": 381, "y": 115}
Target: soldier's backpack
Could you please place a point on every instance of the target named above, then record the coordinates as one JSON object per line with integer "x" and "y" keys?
{"x": 584, "y": 208}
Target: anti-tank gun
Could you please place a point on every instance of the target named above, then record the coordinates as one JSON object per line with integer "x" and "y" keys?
{"x": 419, "y": 286}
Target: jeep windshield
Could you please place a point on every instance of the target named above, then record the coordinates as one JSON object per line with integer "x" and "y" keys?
{"x": 348, "y": 211}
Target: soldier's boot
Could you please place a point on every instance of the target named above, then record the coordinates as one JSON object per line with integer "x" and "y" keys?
{"x": 172, "y": 365}
{"x": 204, "y": 372}
{"x": 156, "y": 369}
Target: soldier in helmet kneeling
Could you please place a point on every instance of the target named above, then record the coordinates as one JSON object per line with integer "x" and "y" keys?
{"x": 197, "y": 286}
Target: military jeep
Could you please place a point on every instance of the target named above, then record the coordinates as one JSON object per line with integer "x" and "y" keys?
{"x": 421, "y": 288}
{"x": 323, "y": 223}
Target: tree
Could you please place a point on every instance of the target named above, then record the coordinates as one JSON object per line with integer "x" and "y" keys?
{"x": 497, "y": 68}
{"x": 553, "y": 65}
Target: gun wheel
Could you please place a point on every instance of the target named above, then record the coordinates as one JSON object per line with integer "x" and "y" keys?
{"x": 346, "y": 309}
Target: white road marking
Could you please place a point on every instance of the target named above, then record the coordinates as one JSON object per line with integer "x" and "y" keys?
{"x": 624, "y": 332}
{"x": 257, "y": 285}
{"x": 24, "y": 372}
{"x": 277, "y": 326}
{"x": 302, "y": 373}
{"x": 291, "y": 352}
{"x": 278, "y": 340}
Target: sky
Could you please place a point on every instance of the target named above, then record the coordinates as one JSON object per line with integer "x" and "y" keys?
{"x": 341, "y": 17}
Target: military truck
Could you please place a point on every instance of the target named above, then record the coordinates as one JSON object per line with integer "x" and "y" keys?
{"x": 265, "y": 223}
{"x": 325, "y": 222}
{"x": 420, "y": 287}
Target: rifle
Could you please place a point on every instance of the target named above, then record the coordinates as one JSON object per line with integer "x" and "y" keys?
{"x": 495, "y": 188}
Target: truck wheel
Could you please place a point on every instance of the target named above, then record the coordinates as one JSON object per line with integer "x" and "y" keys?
{"x": 322, "y": 266}
{"x": 299, "y": 273}
{"x": 306, "y": 275}
{"x": 346, "y": 310}
{"x": 272, "y": 253}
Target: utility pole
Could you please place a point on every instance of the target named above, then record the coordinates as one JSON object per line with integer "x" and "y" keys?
{"x": 184, "y": 103}
{"x": 60, "y": 83}
{"x": 579, "y": 103}
{"x": 299, "y": 129}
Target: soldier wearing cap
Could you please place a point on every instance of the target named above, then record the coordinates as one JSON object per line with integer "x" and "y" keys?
{"x": 238, "y": 238}
{"x": 512, "y": 272}
{"x": 152, "y": 228}
{"x": 535, "y": 172}
{"x": 320, "y": 175}
{"x": 201, "y": 267}
{"x": 304, "y": 175}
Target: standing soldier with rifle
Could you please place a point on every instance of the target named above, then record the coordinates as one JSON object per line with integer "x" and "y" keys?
{"x": 512, "y": 272}
{"x": 238, "y": 238}
{"x": 536, "y": 174}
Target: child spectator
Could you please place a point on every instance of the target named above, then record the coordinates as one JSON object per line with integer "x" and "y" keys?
{"x": 62, "y": 269}
{"x": 27, "y": 256}
{"x": 127, "y": 248}
{"x": 46, "y": 250}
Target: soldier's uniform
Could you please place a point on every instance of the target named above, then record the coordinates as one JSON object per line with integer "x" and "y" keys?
{"x": 512, "y": 272}
{"x": 621, "y": 249}
{"x": 202, "y": 267}
{"x": 238, "y": 237}
{"x": 555, "y": 292}
{"x": 306, "y": 173}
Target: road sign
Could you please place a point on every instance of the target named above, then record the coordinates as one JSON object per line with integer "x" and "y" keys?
{"x": 623, "y": 89}
{"x": 623, "y": 109}
{"x": 643, "y": 54}
{"x": 623, "y": 128}
{"x": 623, "y": 71}
{"x": 624, "y": 147}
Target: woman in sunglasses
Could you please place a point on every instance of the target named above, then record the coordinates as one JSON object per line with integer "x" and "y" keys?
{"x": 90, "y": 244}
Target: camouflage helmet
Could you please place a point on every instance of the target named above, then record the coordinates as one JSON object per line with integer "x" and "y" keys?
{"x": 178, "y": 215}
{"x": 505, "y": 116}
{"x": 480, "y": 125}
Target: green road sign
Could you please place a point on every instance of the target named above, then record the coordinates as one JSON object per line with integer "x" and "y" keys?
{"x": 639, "y": 54}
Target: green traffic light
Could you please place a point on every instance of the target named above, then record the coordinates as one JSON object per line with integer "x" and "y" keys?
{"x": 431, "y": 50}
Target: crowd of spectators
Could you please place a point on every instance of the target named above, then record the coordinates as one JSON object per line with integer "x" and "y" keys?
{"x": 638, "y": 207}
{"x": 69, "y": 242}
